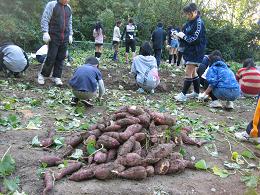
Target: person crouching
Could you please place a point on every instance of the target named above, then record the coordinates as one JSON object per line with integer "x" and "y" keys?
{"x": 85, "y": 82}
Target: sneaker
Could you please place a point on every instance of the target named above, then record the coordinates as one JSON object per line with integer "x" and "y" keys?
{"x": 57, "y": 81}
{"x": 215, "y": 104}
{"x": 243, "y": 136}
{"x": 41, "y": 79}
{"x": 229, "y": 105}
{"x": 152, "y": 91}
{"x": 140, "y": 90}
{"x": 180, "y": 97}
{"x": 68, "y": 64}
{"x": 192, "y": 95}
{"x": 74, "y": 101}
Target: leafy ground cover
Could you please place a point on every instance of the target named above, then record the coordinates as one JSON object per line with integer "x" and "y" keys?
{"x": 28, "y": 111}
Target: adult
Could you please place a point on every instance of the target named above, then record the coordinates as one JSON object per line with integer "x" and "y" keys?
{"x": 116, "y": 39}
{"x": 13, "y": 59}
{"x": 158, "y": 40}
{"x": 249, "y": 78}
{"x": 98, "y": 34}
{"x": 56, "y": 24}
{"x": 194, "y": 40}
{"x": 145, "y": 70}
{"x": 130, "y": 42}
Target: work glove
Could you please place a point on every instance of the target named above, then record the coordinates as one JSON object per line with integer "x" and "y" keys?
{"x": 180, "y": 34}
{"x": 46, "y": 37}
{"x": 203, "y": 96}
{"x": 70, "y": 39}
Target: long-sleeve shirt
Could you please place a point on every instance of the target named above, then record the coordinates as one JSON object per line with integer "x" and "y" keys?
{"x": 98, "y": 35}
{"x": 116, "y": 34}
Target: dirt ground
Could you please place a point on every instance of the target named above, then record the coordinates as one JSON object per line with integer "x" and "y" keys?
{"x": 188, "y": 182}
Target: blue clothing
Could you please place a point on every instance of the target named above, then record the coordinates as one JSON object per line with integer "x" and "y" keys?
{"x": 158, "y": 38}
{"x": 86, "y": 78}
{"x": 194, "y": 40}
{"x": 174, "y": 43}
{"x": 203, "y": 66}
{"x": 220, "y": 76}
{"x": 226, "y": 94}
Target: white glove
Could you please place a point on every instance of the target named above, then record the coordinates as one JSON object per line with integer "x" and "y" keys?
{"x": 203, "y": 96}
{"x": 46, "y": 37}
{"x": 180, "y": 34}
{"x": 70, "y": 39}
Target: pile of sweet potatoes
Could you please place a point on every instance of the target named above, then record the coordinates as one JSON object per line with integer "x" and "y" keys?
{"x": 133, "y": 143}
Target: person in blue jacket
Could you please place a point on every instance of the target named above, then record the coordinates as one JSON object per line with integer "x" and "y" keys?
{"x": 222, "y": 82}
{"x": 194, "y": 40}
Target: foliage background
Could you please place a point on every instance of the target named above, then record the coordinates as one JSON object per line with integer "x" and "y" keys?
{"x": 231, "y": 25}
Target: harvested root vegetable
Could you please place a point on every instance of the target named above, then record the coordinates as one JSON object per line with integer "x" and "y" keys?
{"x": 137, "y": 148}
{"x": 134, "y": 110}
{"x": 51, "y": 133}
{"x": 130, "y": 160}
{"x": 101, "y": 127}
{"x": 75, "y": 141}
{"x": 140, "y": 136}
{"x": 108, "y": 142}
{"x": 127, "y": 121}
{"x": 51, "y": 160}
{"x": 100, "y": 157}
{"x": 120, "y": 115}
{"x": 150, "y": 171}
{"x": 163, "y": 118}
{"x": 175, "y": 156}
{"x": 95, "y": 132}
{"x": 83, "y": 174}
{"x": 161, "y": 167}
{"x": 105, "y": 171}
{"x": 130, "y": 130}
{"x": 115, "y": 135}
{"x": 161, "y": 151}
{"x": 112, "y": 127}
{"x": 134, "y": 173}
{"x": 144, "y": 119}
{"x": 68, "y": 170}
{"x": 127, "y": 146}
{"x": 49, "y": 183}
{"x": 47, "y": 142}
{"x": 92, "y": 127}
{"x": 189, "y": 164}
{"x": 68, "y": 151}
{"x": 153, "y": 133}
{"x": 187, "y": 140}
{"x": 111, "y": 155}
{"x": 176, "y": 166}
{"x": 122, "y": 109}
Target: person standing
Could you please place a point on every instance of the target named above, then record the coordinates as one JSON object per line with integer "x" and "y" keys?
{"x": 116, "y": 39}
{"x": 158, "y": 39}
{"x": 56, "y": 24}
{"x": 98, "y": 34}
{"x": 194, "y": 40}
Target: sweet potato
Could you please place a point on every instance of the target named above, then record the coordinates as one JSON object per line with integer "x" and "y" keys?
{"x": 175, "y": 156}
{"x": 135, "y": 173}
{"x": 92, "y": 127}
{"x": 189, "y": 164}
{"x": 137, "y": 148}
{"x": 127, "y": 146}
{"x": 115, "y": 135}
{"x": 106, "y": 171}
{"x": 95, "y": 132}
{"x": 111, "y": 155}
{"x": 161, "y": 151}
{"x": 51, "y": 133}
{"x": 83, "y": 174}
{"x": 144, "y": 119}
{"x": 163, "y": 118}
{"x": 75, "y": 141}
{"x": 100, "y": 157}
{"x": 130, "y": 160}
{"x": 127, "y": 121}
{"x": 68, "y": 170}
{"x": 107, "y": 142}
{"x": 153, "y": 133}
{"x": 176, "y": 166}
{"x": 112, "y": 127}
{"x": 49, "y": 183}
{"x": 90, "y": 159}
{"x": 120, "y": 115}
{"x": 101, "y": 127}
{"x": 187, "y": 140}
{"x": 67, "y": 151}
{"x": 161, "y": 167}
{"x": 140, "y": 136}
{"x": 47, "y": 142}
{"x": 130, "y": 130}
{"x": 150, "y": 171}
{"x": 134, "y": 110}
{"x": 122, "y": 109}
{"x": 50, "y": 160}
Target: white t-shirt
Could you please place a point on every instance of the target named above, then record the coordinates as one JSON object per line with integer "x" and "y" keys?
{"x": 116, "y": 34}
{"x": 42, "y": 51}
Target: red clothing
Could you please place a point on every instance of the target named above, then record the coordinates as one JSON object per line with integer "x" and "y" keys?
{"x": 249, "y": 80}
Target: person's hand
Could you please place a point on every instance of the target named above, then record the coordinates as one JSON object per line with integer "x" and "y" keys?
{"x": 70, "y": 39}
{"x": 180, "y": 34}
{"x": 203, "y": 96}
{"x": 46, "y": 37}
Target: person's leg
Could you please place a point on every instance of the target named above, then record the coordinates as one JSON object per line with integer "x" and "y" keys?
{"x": 179, "y": 58}
{"x": 174, "y": 55}
{"x": 127, "y": 47}
{"x": 157, "y": 55}
{"x": 133, "y": 49}
{"x": 58, "y": 67}
{"x": 196, "y": 80}
{"x": 170, "y": 55}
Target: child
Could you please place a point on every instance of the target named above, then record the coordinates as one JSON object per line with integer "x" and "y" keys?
{"x": 222, "y": 82}
{"x": 116, "y": 39}
{"x": 98, "y": 34}
{"x": 249, "y": 78}
{"x": 85, "y": 81}
{"x": 145, "y": 69}
{"x": 174, "y": 44}
{"x": 252, "y": 132}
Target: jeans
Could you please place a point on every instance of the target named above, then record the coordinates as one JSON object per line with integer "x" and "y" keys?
{"x": 158, "y": 55}
{"x": 83, "y": 95}
{"x": 226, "y": 94}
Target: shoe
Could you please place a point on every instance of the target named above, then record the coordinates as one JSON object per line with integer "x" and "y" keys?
{"x": 87, "y": 103}
{"x": 229, "y": 105}
{"x": 192, "y": 95}
{"x": 41, "y": 80}
{"x": 180, "y": 97}
{"x": 68, "y": 64}
{"x": 243, "y": 136}
{"x": 215, "y": 104}
{"x": 140, "y": 90}
{"x": 57, "y": 81}
{"x": 74, "y": 101}
{"x": 152, "y": 91}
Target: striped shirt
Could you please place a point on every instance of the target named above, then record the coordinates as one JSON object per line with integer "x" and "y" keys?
{"x": 249, "y": 80}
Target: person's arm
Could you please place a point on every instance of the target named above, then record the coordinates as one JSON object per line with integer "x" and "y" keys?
{"x": 133, "y": 68}
{"x": 212, "y": 77}
{"x": 101, "y": 88}
{"x": 46, "y": 16}
{"x": 118, "y": 33}
{"x": 70, "y": 23}
{"x": 123, "y": 34}
{"x": 94, "y": 33}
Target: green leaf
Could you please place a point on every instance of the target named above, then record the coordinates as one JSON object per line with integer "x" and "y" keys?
{"x": 59, "y": 142}
{"x": 91, "y": 147}
{"x": 35, "y": 141}
{"x": 7, "y": 165}
{"x": 182, "y": 151}
{"x": 223, "y": 173}
{"x": 231, "y": 166}
{"x": 201, "y": 165}
{"x": 77, "y": 154}
{"x": 7, "y": 106}
{"x": 248, "y": 154}
{"x": 11, "y": 184}
{"x": 84, "y": 126}
{"x": 3, "y": 122}
{"x": 258, "y": 147}
{"x": 251, "y": 181}
{"x": 13, "y": 120}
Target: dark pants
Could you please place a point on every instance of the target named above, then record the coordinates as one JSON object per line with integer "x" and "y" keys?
{"x": 205, "y": 85}
{"x": 41, "y": 58}
{"x": 158, "y": 55}
{"x": 179, "y": 58}
{"x": 55, "y": 58}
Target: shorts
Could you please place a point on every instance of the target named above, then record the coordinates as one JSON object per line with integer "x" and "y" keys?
{"x": 174, "y": 43}
{"x": 130, "y": 44}
{"x": 99, "y": 44}
{"x": 192, "y": 63}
